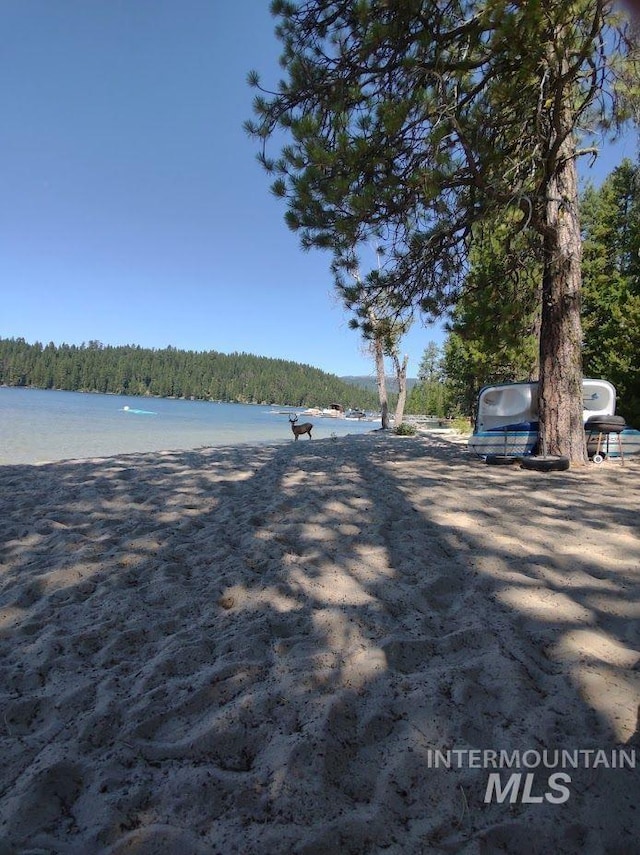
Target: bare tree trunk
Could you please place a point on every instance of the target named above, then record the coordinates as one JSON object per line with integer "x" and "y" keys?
{"x": 560, "y": 388}
{"x": 401, "y": 376}
{"x": 378, "y": 352}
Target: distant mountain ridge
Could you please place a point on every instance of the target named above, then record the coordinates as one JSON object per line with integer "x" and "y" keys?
{"x": 369, "y": 383}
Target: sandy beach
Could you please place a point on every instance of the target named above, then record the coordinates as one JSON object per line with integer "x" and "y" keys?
{"x": 264, "y": 650}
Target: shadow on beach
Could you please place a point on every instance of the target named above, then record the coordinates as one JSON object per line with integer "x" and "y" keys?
{"x": 260, "y": 650}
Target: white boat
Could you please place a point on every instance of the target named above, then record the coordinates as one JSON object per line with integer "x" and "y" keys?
{"x": 135, "y": 412}
{"x": 330, "y": 413}
{"x": 333, "y": 411}
{"x": 507, "y": 419}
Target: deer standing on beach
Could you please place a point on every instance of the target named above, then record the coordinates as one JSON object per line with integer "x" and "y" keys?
{"x": 299, "y": 430}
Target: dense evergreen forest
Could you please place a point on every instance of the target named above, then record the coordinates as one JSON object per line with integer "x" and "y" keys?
{"x": 495, "y": 327}
{"x": 171, "y": 373}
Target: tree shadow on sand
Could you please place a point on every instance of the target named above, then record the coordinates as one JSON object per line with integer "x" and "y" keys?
{"x": 261, "y": 651}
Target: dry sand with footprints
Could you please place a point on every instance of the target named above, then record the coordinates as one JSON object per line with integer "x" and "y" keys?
{"x": 258, "y": 650}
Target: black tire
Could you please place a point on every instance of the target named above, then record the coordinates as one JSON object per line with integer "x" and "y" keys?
{"x": 606, "y": 424}
{"x": 604, "y": 428}
{"x": 548, "y": 463}
{"x": 499, "y": 460}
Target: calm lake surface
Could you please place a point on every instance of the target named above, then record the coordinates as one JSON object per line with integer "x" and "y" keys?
{"x": 38, "y": 426}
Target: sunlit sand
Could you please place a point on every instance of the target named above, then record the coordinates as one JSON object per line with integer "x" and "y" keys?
{"x": 255, "y": 650}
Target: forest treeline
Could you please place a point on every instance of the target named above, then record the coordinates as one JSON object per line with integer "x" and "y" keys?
{"x": 493, "y": 331}
{"x": 173, "y": 373}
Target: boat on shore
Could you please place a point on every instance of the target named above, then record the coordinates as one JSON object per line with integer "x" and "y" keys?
{"x": 507, "y": 420}
{"x": 333, "y": 411}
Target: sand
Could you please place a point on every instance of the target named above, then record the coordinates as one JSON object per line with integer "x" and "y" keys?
{"x": 260, "y": 649}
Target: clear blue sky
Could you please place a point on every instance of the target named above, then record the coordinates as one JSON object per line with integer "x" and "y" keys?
{"x": 132, "y": 209}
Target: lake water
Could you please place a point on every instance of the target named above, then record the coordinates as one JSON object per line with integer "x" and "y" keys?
{"x": 43, "y": 425}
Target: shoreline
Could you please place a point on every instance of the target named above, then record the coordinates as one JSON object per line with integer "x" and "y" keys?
{"x": 247, "y": 444}
{"x": 153, "y": 453}
{"x": 255, "y": 648}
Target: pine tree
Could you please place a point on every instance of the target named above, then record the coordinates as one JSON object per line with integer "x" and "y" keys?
{"x": 611, "y": 271}
{"x": 410, "y": 122}
{"x": 428, "y": 396}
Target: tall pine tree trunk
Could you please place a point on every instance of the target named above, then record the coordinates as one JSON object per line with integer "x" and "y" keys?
{"x": 401, "y": 376}
{"x": 378, "y": 351}
{"x": 560, "y": 388}
{"x": 377, "y": 347}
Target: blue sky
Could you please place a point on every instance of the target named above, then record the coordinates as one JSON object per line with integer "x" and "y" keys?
{"x": 132, "y": 209}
